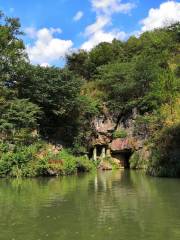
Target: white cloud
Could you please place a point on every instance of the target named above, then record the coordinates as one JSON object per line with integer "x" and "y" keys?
{"x": 78, "y": 16}
{"x": 46, "y": 48}
{"x": 112, "y": 6}
{"x": 102, "y": 36}
{"x": 166, "y": 14}
{"x": 101, "y": 22}
{"x": 97, "y": 32}
{"x": 45, "y": 65}
{"x": 31, "y": 32}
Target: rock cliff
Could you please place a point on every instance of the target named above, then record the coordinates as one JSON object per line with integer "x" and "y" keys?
{"x": 116, "y": 139}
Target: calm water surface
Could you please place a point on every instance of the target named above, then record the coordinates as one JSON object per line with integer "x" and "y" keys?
{"x": 104, "y": 206}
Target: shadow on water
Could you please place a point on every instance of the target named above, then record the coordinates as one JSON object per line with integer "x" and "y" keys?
{"x": 107, "y": 205}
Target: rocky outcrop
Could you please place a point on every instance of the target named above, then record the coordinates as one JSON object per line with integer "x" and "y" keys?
{"x": 118, "y": 145}
{"x": 103, "y": 127}
{"x": 105, "y": 144}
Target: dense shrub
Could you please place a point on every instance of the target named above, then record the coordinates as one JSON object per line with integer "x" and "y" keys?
{"x": 121, "y": 133}
{"x": 73, "y": 164}
{"x": 39, "y": 160}
{"x": 165, "y": 157}
{"x": 134, "y": 160}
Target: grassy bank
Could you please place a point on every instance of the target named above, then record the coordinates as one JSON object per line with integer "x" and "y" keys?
{"x": 40, "y": 159}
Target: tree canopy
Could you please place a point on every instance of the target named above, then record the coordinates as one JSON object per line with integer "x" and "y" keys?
{"x": 142, "y": 72}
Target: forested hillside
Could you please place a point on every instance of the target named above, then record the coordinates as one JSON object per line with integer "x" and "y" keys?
{"x": 45, "y": 109}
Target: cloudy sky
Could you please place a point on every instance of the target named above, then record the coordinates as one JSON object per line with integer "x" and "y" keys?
{"x": 55, "y": 27}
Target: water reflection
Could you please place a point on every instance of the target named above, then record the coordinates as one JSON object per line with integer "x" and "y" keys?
{"x": 111, "y": 205}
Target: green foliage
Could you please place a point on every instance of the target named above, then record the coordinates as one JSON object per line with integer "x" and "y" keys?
{"x": 12, "y": 53}
{"x": 116, "y": 82}
{"x": 165, "y": 157}
{"x": 78, "y": 63}
{"x": 120, "y": 133}
{"x": 136, "y": 73}
{"x": 108, "y": 163}
{"x": 38, "y": 160}
{"x": 86, "y": 64}
{"x": 18, "y": 120}
{"x": 88, "y": 108}
{"x": 60, "y": 104}
{"x": 134, "y": 160}
{"x": 72, "y": 164}
{"x": 16, "y": 115}
{"x": 69, "y": 162}
{"x": 19, "y": 113}
{"x": 53, "y": 89}
{"x": 56, "y": 91}
{"x": 84, "y": 164}
{"x": 146, "y": 125}
{"x": 14, "y": 161}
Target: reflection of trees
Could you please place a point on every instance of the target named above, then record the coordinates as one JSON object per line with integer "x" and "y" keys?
{"x": 104, "y": 206}
{"x": 139, "y": 204}
{"x": 25, "y": 203}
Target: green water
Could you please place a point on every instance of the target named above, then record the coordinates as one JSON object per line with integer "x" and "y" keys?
{"x": 105, "y": 206}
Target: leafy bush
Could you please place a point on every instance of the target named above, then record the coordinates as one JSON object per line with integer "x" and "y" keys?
{"x": 69, "y": 162}
{"x": 5, "y": 164}
{"x": 165, "y": 157}
{"x": 14, "y": 163}
{"x": 120, "y": 134}
{"x": 37, "y": 160}
{"x": 84, "y": 164}
{"x": 134, "y": 160}
{"x": 72, "y": 164}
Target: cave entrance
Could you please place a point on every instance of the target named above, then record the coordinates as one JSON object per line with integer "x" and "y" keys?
{"x": 123, "y": 158}
{"x": 99, "y": 151}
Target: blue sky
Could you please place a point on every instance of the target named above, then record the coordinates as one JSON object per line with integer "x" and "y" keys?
{"x": 54, "y": 28}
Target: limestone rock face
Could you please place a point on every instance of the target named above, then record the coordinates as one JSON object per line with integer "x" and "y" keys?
{"x": 104, "y": 139}
{"x": 119, "y": 144}
{"x": 104, "y": 125}
{"x": 101, "y": 140}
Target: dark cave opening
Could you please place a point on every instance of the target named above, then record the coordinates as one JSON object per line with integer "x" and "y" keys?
{"x": 123, "y": 157}
{"x": 99, "y": 151}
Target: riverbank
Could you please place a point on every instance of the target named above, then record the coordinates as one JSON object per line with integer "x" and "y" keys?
{"x": 41, "y": 159}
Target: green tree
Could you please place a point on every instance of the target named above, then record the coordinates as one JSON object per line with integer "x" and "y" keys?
{"x": 11, "y": 49}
